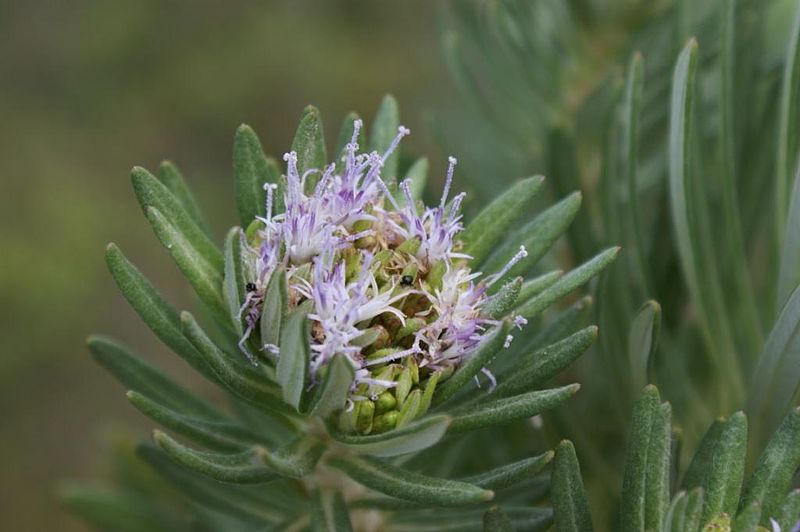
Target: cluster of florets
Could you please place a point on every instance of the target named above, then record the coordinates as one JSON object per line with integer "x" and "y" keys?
{"x": 381, "y": 274}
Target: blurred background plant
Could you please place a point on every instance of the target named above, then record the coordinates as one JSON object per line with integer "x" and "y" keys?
{"x": 690, "y": 168}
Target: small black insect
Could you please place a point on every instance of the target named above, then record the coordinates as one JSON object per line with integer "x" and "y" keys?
{"x": 250, "y": 287}
{"x": 406, "y": 280}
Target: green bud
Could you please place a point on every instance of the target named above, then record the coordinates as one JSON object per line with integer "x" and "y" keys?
{"x": 366, "y": 411}
{"x": 384, "y": 422}
{"x": 386, "y": 374}
{"x": 427, "y": 395}
{"x": 412, "y": 366}
{"x": 434, "y": 278}
{"x": 410, "y": 409}
{"x": 404, "y": 383}
{"x": 410, "y": 246}
{"x": 412, "y": 325}
{"x": 385, "y": 402}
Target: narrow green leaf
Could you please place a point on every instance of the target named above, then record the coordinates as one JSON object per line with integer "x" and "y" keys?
{"x": 748, "y": 519}
{"x": 689, "y": 216}
{"x": 503, "y": 301}
{"x": 134, "y": 373}
{"x": 390, "y": 480}
{"x": 309, "y": 144}
{"x": 521, "y": 517}
{"x": 236, "y": 277}
{"x": 537, "y": 236}
{"x": 694, "y": 509}
{"x": 411, "y": 438}
{"x": 778, "y": 371}
{"x": 250, "y": 502}
{"x": 773, "y": 473}
{"x": 786, "y": 159}
{"x": 789, "y": 271}
{"x": 383, "y": 132}
{"x": 642, "y": 342}
{"x": 503, "y": 410}
{"x": 274, "y": 308}
{"x": 496, "y": 520}
{"x": 481, "y": 357}
{"x": 536, "y": 368}
{"x": 676, "y": 514}
{"x": 726, "y": 469}
{"x": 536, "y": 285}
{"x": 657, "y": 469}
{"x": 634, "y": 485}
{"x": 246, "y": 382}
{"x": 334, "y": 387}
{"x": 296, "y": 460}
{"x": 157, "y": 314}
{"x": 238, "y": 468}
{"x": 508, "y": 475}
{"x": 570, "y": 507}
{"x": 150, "y": 192}
{"x": 204, "y": 276}
{"x": 329, "y": 513}
{"x": 567, "y": 283}
{"x": 292, "y": 369}
{"x": 698, "y": 469}
{"x": 490, "y": 226}
{"x": 222, "y": 434}
{"x": 789, "y": 514}
{"x": 250, "y": 172}
{"x": 171, "y": 177}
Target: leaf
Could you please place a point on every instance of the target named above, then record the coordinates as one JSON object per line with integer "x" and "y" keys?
{"x": 694, "y": 509}
{"x": 496, "y": 520}
{"x": 676, "y": 514}
{"x": 243, "y": 381}
{"x": 537, "y": 236}
{"x": 150, "y": 192}
{"x": 508, "y": 475}
{"x": 657, "y": 473}
{"x": 787, "y": 128}
{"x": 689, "y": 213}
{"x": 748, "y": 519}
{"x": 411, "y": 438}
{"x": 329, "y": 513}
{"x": 499, "y": 411}
{"x": 642, "y": 342}
{"x": 789, "y": 514}
{"x": 503, "y": 301}
{"x": 522, "y": 518}
{"x": 297, "y": 459}
{"x": 635, "y": 487}
{"x": 334, "y": 387}
{"x": 472, "y": 363}
{"x": 274, "y": 308}
{"x": 726, "y": 469}
{"x": 390, "y": 480}
{"x": 171, "y": 178}
{"x": 568, "y": 496}
{"x": 234, "y": 287}
{"x": 204, "y": 276}
{"x": 250, "y": 172}
{"x": 789, "y": 271}
{"x": 772, "y": 475}
{"x": 383, "y": 132}
{"x": 567, "y": 283}
{"x": 494, "y": 221}
{"x": 309, "y": 143}
{"x": 134, "y": 373}
{"x": 237, "y": 468}
{"x": 534, "y": 286}
{"x": 222, "y": 434}
{"x": 292, "y": 368}
{"x": 776, "y": 376}
{"x": 536, "y": 368}
{"x": 157, "y": 314}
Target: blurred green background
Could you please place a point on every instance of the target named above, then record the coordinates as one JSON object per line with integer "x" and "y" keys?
{"x": 90, "y": 88}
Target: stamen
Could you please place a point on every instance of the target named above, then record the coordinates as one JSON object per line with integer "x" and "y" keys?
{"x": 448, "y": 180}
{"x": 521, "y": 254}
{"x": 402, "y": 131}
{"x": 270, "y": 188}
{"x": 456, "y": 206}
{"x": 405, "y": 186}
